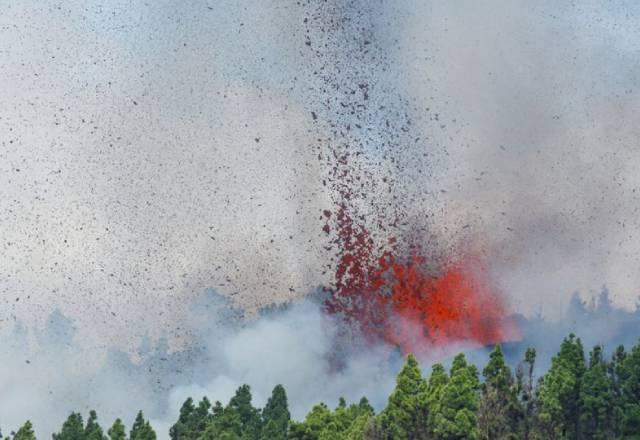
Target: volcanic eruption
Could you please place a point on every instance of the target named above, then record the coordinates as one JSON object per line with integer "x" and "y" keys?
{"x": 392, "y": 294}
{"x": 393, "y": 280}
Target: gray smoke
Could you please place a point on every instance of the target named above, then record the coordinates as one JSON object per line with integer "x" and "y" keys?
{"x": 297, "y": 346}
{"x": 45, "y": 374}
{"x": 535, "y": 140}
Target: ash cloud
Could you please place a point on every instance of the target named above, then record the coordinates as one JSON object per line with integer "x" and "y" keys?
{"x": 534, "y": 149}
{"x": 153, "y": 151}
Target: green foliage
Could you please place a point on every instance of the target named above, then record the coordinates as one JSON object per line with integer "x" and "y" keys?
{"x": 317, "y": 424}
{"x": 596, "y": 400}
{"x": 238, "y": 420}
{"x": 276, "y": 416}
{"x": 117, "y": 431}
{"x": 141, "y": 429}
{"x": 25, "y": 432}
{"x": 559, "y": 392}
{"x": 631, "y": 393}
{"x": 92, "y": 430}
{"x": 193, "y": 420}
{"x": 345, "y": 423}
{"x": 72, "y": 428}
{"x": 407, "y": 411}
{"x": 500, "y": 411}
{"x": 572, "y": 401}
{"x": 615, "y": 371}
{"x": 455, "y": 416}
{"x": 437, "y": 382}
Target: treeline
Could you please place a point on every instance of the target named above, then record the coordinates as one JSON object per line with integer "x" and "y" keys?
{"x": 579, "y": 397}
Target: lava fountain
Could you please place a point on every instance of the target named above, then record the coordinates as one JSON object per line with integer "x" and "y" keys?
{"x": 398, "y": 298}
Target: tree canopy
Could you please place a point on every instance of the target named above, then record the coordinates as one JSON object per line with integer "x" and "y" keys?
{"x": 575, "y": 399}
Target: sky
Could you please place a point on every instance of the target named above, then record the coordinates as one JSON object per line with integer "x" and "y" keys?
{"x": 150, "y": 151}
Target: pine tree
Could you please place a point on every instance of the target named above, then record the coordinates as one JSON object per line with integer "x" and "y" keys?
{"x": 117, "y": 431}
{"x": 437, "y": 382}
{"x": 373, "y": 430}
{"x": 180, "y": 428}
{"x": 276, "y": 416}
{"x": 93, "y": 431}
{"x": 345, "y": 417}
{"x": 596, "y": 400}
{"x": 72, "y": 428}
{"x": 455, "y": 416}
{"x": 361, "y": 418}
{"x": 249, "y": 416}
{"x": 631, "y": 393}
{"x": 406, "y": 414}
{"x": 345, "y": 423}
{"x": 201, "y": 418}
{"x": 499, "y": 413}
{"x": 239, "y": 419}
{"x": 141, "y": 429}
{"x": 192, "y": 421}
{"x": 317, "y": 425}
{"x": 356, "y": 430}
{"x": 559, "y": 392}
{"x": 25, "y": 432}
{"x": 616, "y": 375}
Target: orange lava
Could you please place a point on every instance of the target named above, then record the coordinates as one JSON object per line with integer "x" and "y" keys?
{"x": 456, "y": 306}
{"x": 402, "y": 303}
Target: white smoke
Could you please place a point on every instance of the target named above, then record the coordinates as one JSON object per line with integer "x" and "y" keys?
{"x": 295, "y": 347}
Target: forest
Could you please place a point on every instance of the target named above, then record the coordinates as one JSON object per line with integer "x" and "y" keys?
{"x": 580, "y": 396}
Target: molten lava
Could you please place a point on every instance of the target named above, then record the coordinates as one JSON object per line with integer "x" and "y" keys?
{"x": 402, "y": 303}
{"x": 390, "y": 293}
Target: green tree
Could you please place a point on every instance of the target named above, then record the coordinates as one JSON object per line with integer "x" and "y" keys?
{"x": 499, "y": 413}
{"x": 141, "y": 429}
{"x": 275, "y": 415}
{"x": 356, "y": 430}
{"x": 72, "y": 428}
{"x": 93, "y": 431}
{"x": 436, "y": 385}
{"x": 617, "y": 375}
{"x": 455, "y": 416}
{"x": 596, "y": 399}
{"x": 559, "y": 392}
{"x": 238, "y": 420}
{"x": 318, "y": 424}
{"x": 181, "y": 428}
{"x": 249, "y": 416}
{"x": 631, "y": 394}
{"x": 373, "y": 430}
{"x": 351, "y": 420}
{"x": 117, "y": 431}
{"x": 25, "y": 432}
{"x": 345, "y": 423}
{"x": 406, "y": 414}
{"x": 192, "y": 421}
{"x": 362, "y": 416}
